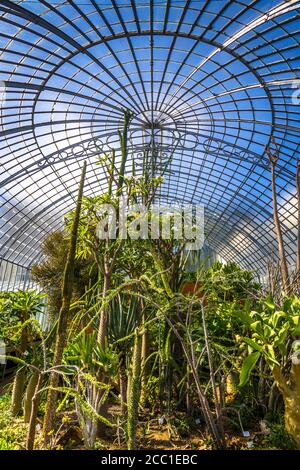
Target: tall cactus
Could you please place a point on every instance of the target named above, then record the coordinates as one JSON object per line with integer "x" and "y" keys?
{"x": 67, "y": 290}
{"x": 34, "y": 411}
{"x": 144, "y": 357}
{"x": 17, "y": 391}
{"x": 123, "y": 136}
{"x": 108, "y": 265}
{"x": 160, "y": 268}
{"x": 30, "y": 389}
{"x": 123, "y": 382}
{"x": 134, "y": 393}
{"x": 19, "y": 381}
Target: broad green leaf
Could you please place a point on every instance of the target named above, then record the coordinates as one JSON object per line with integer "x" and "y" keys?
{"x": 279, "y": 340}
{"x": 256, "y": 326}
{"x": 270, "y": 356}
{"x": 247, "y": 367}
{"x": 270, "y": 302}
{"x": 276, "y": 317}
{"x": 268, "y": 332}
{"x": 271, "y": 352}
{"x": 254, "y": 345}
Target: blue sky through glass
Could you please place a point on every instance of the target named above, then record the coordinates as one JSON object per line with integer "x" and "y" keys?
{"x": 218, "y": 75}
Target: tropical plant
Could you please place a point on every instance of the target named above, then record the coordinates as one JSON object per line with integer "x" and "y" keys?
{"x": 49, "y": 272}
{"x": 17, "y": 311}
{"x": 88, "y": 356}
{"x": 225, "y": 282}
{"x": 12, "y": 432}
{"x": 274, "y": 336}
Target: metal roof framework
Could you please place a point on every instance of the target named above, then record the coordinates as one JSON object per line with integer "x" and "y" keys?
{"x": 216, "y": 79}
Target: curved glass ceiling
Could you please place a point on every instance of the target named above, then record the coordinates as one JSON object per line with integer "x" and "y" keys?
{"x": 215, "y": 79}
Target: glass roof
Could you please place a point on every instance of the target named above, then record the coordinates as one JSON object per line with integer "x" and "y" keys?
{"x": 215, "y": 79}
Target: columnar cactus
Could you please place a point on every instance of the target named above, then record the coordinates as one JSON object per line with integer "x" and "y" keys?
{"x": 134, "y": 393}
{"x": 34, "y": 411}
{"x": 67, "y": 290}
{"x": 17, "y": 392}
{"x": 30, "y": 389}
{"x": 19, "y": 381}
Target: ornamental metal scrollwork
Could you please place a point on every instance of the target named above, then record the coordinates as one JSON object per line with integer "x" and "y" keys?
{"x": 89, "y": 148}
{"x": 219, "y": 149}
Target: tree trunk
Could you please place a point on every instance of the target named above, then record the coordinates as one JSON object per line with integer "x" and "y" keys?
{"x": 67, "y": 290}
{"x": 101, "y": 338}
{"x": 108, "y": 266}
{"x": 188, "y": 402}
{"x": 212, "y": 376}
{"x": 124, "y": 149}
{"x": 33, "y": 414}
{"x": 213, "y": 427}
{"x": 291, "y": 398}
{"x": 292, "y": 415}
{"x": 281, "y": 252}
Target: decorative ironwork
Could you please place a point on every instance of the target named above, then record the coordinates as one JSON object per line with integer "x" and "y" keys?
{"x": 231, "y": 151}
{"x": 151, "y": 143}
{"x": 81, "y": 150}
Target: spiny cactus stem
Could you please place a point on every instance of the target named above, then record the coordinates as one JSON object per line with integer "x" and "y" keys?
{"x": 134, "y": 395}
{"x": 67, "y": 290}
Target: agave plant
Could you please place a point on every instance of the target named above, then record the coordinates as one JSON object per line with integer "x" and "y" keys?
{"x": 88, "y": 355}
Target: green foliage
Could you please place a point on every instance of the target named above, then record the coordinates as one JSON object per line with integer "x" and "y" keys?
{"x": 21, "y": 304}
{"x": 270, "y": 329}
{"x": 49, "y": 272}
{"x": 12, "y": 431}
{"x": 179, "y": 427}
{"x": 86, "y": 353}
{"x": 248, "y": 366}
{"x": 189, "y": 355}
{"x": 16, "y": 308}
{"x": 123, "y": 318}
{"x": 21, "y": 332}
{"x": 279, "y": 438}
{"x": 229, "y": 282}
